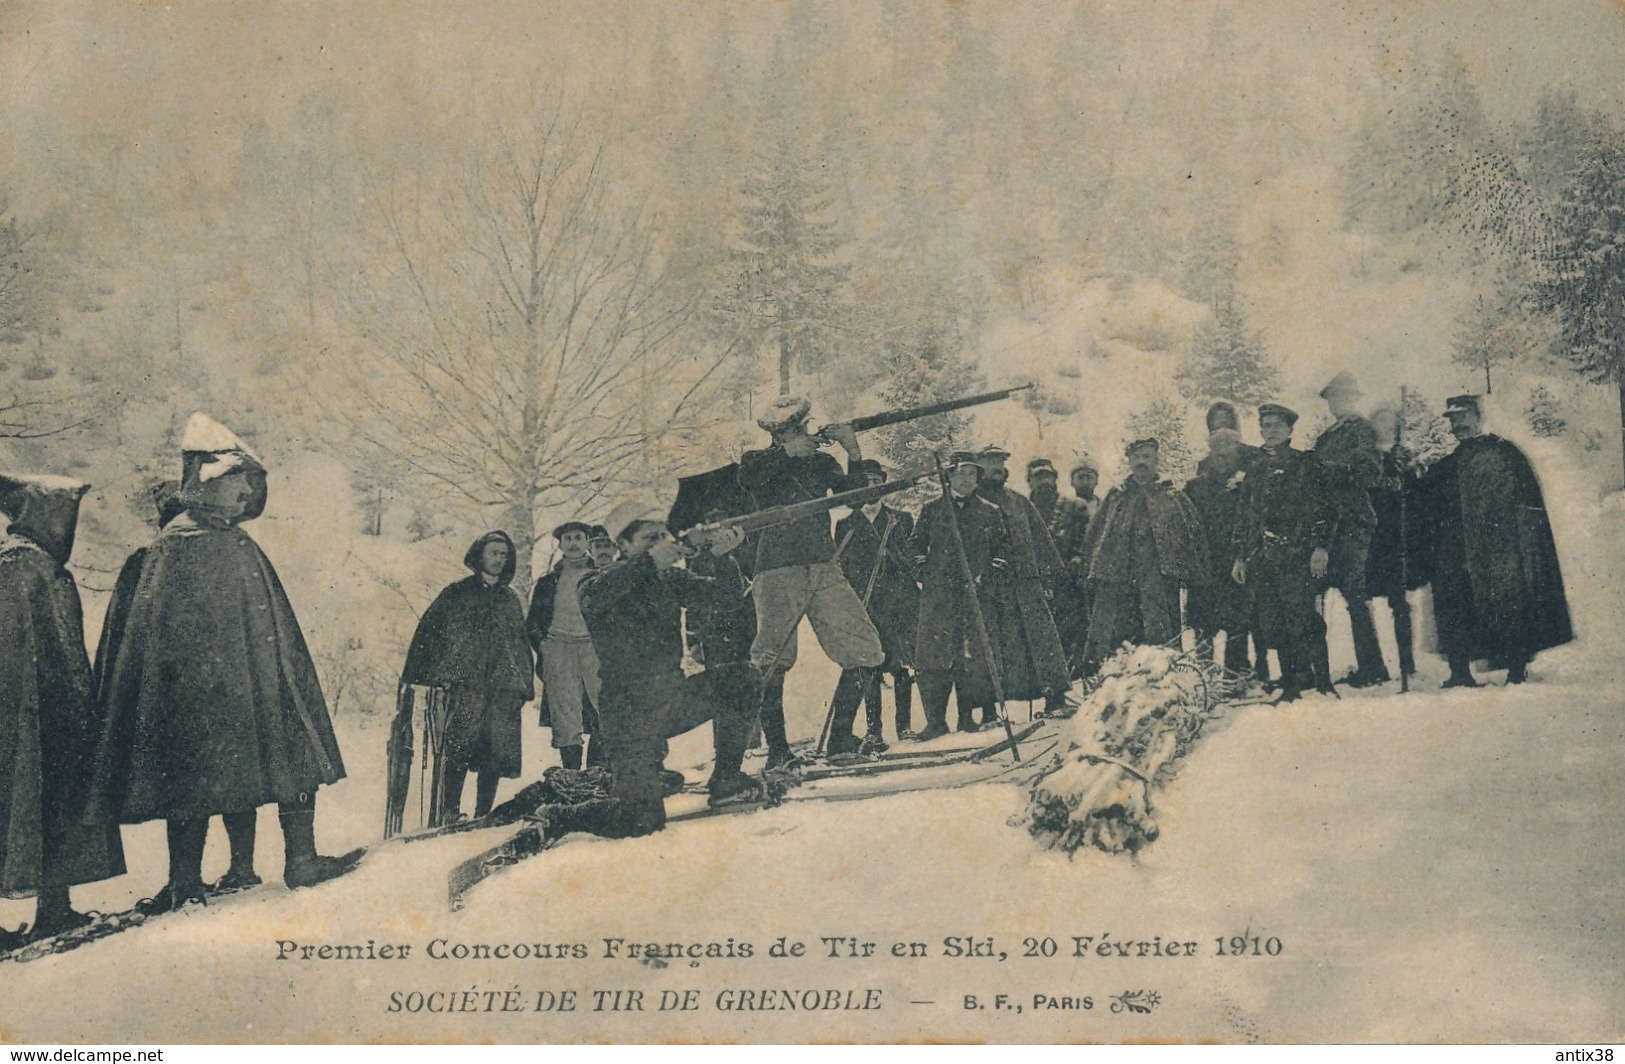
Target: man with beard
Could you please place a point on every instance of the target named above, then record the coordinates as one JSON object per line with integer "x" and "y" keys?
{"x": 471, "y": 642}
{"x": 949, "y": 653}
{"x": 634, "y": 613}
{"x": 795, "y": 572}
{"x": 877, "y": 542}
{"x": 565, "y": 661}
{"x": 1044, "y": 491}
{"x": 1497, "y": 586}
{"x": 1145, "y": 543}
{"x": 1217, "y": 603}
{"x": 1350, "y": 467}
{"x": 211, "y": 700}
{"x": 1399, "y": 544}
{"x": 1281, "y": 549}
{"x": 1030, "y": 647}
{"x": 49, "y": 722}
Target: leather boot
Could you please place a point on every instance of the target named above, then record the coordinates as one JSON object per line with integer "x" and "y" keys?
{"x": 934, "y": 689}
{"x": 874, "y": 739}
{"x": 485, "y": 792}
{"x": 844, "y": 710}
{"x": 570, "y": 757}
{"x": 54, "y": 914}
{"x": 186, "y": 838}
{"x": 1369, "y": 668}
{"x": 771, "y": 713}
{"x": 903, "y": 692}
{"x": 242, "y": 828}
{"x": 303, "y": 866}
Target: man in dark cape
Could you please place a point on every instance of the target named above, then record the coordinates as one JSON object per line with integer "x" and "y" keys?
{"x": 1143, "y": 545}
{"x": 49, "y": 722}
{"x": 211, "y": 700}
{"x": 471, "y": 642}
{"x": 949, "y": 652}
{"x": 1217, "y": 603}
{"x": 1497, "y": 586}
{"x": 893, "y": 602}
{"x": 1281, "y": 551}
{"x": 1030, "y": 646}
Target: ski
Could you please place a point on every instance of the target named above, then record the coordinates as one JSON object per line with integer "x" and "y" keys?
{"x": 106, "y": 925}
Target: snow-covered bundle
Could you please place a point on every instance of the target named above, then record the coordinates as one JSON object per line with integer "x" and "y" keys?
{"x": 1127, "y": 739}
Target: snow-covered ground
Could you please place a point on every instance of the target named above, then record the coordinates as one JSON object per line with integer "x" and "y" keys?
{"x": 1435, "y": 866}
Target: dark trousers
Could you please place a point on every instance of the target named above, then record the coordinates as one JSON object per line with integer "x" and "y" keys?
{"x": 1404, "y": 634}
{"x": 970, "y": 690}
{"x": 639, "y": 716}
{"x": 1284, "y": 600}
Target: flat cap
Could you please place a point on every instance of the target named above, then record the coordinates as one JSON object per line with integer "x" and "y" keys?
{"x": 961, "y": 458}
{"x": 1285, "y": 413}
{"x": 1142, "y": 444}
{"x": 573, "y": 526}
{"x": 1462, "y": 404}
{"x": 1041, "y": 465}
{"x": 1084, "y": 461}
{"x": 993, "y": 450}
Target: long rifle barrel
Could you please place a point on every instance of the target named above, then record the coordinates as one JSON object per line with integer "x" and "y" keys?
{"x": 914, "y": 413}
{"x": 778, "y": 515}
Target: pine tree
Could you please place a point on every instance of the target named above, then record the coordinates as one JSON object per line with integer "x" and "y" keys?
{"x": 787, "y": 287}
{"x": 1497, "y": 328}
{"x": 1228, "y": 362}
{"x": 926, "y": 364}
{"x": 1586, "y": 283}
{"x": 1424, "y": 432}
{"x": 1544, "y": 414}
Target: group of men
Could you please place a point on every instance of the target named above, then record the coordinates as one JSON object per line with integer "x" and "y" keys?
{"x": 203, "y": 699}
{"x": 1259, "y": 534}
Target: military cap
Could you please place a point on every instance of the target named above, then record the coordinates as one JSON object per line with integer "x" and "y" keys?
{"x": 785, "y": 412}
{"x": 1222, "y": 415}
{"x": 573, "y": 526}
{"x": 1041, "y": 465}
{"x": 1285, "y": 413}
{"x": 993, "y": 450}
{"x": 17, "y": 488}
{"x": 1344, "y": 383}
{"x": 868, "y": 467}
{"x": 598, "y": 532}
{"x": 1141, "y": 444}
{"x": 960, "y": 458}
{"x": 1085, "y": 462}
{"x": 1462, "y": 404}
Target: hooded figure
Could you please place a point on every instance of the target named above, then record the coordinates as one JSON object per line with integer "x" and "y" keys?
{"x": 472, "y": 642}
{"x": 211, "y": 698}
{"x": 48, "y": 718}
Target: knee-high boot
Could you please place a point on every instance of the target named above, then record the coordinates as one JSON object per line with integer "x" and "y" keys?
{"x": 302, "y": 865}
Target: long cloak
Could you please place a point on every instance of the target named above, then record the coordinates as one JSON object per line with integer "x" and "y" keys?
{"x": 1498, "y": 587}
{"x": 472, "y": 641}
{"x": 1030, "y": 645}
{"x": 211, "y": 699}
{"x": 49, "y": 726}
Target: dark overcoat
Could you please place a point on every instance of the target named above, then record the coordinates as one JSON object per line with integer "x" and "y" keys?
{"x": 1497, "y": 585}
{"x": 1216, "y": 602}
{"x": 894, "y": 601}
{"x": 49, "y": 727}
{"x": 1398, "y": 561}
{"x": 947, "y": 638}
{"x": 1030, "y": 645}
{"x": 471, "y": 641}
{"x": 209, "y": 692}
{"x": 1286, "y": 514}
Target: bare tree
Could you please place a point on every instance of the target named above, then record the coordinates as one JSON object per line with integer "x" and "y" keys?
{"x": 527, "y": 349}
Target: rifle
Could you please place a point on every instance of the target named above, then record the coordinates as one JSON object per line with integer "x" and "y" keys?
{"x": 1404, "y": 573}
{"x": 699, "y": 536}
{"x": 913, "y": 413}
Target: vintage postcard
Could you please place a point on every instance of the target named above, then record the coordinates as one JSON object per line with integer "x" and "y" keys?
{"x": 727, "y": 521}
